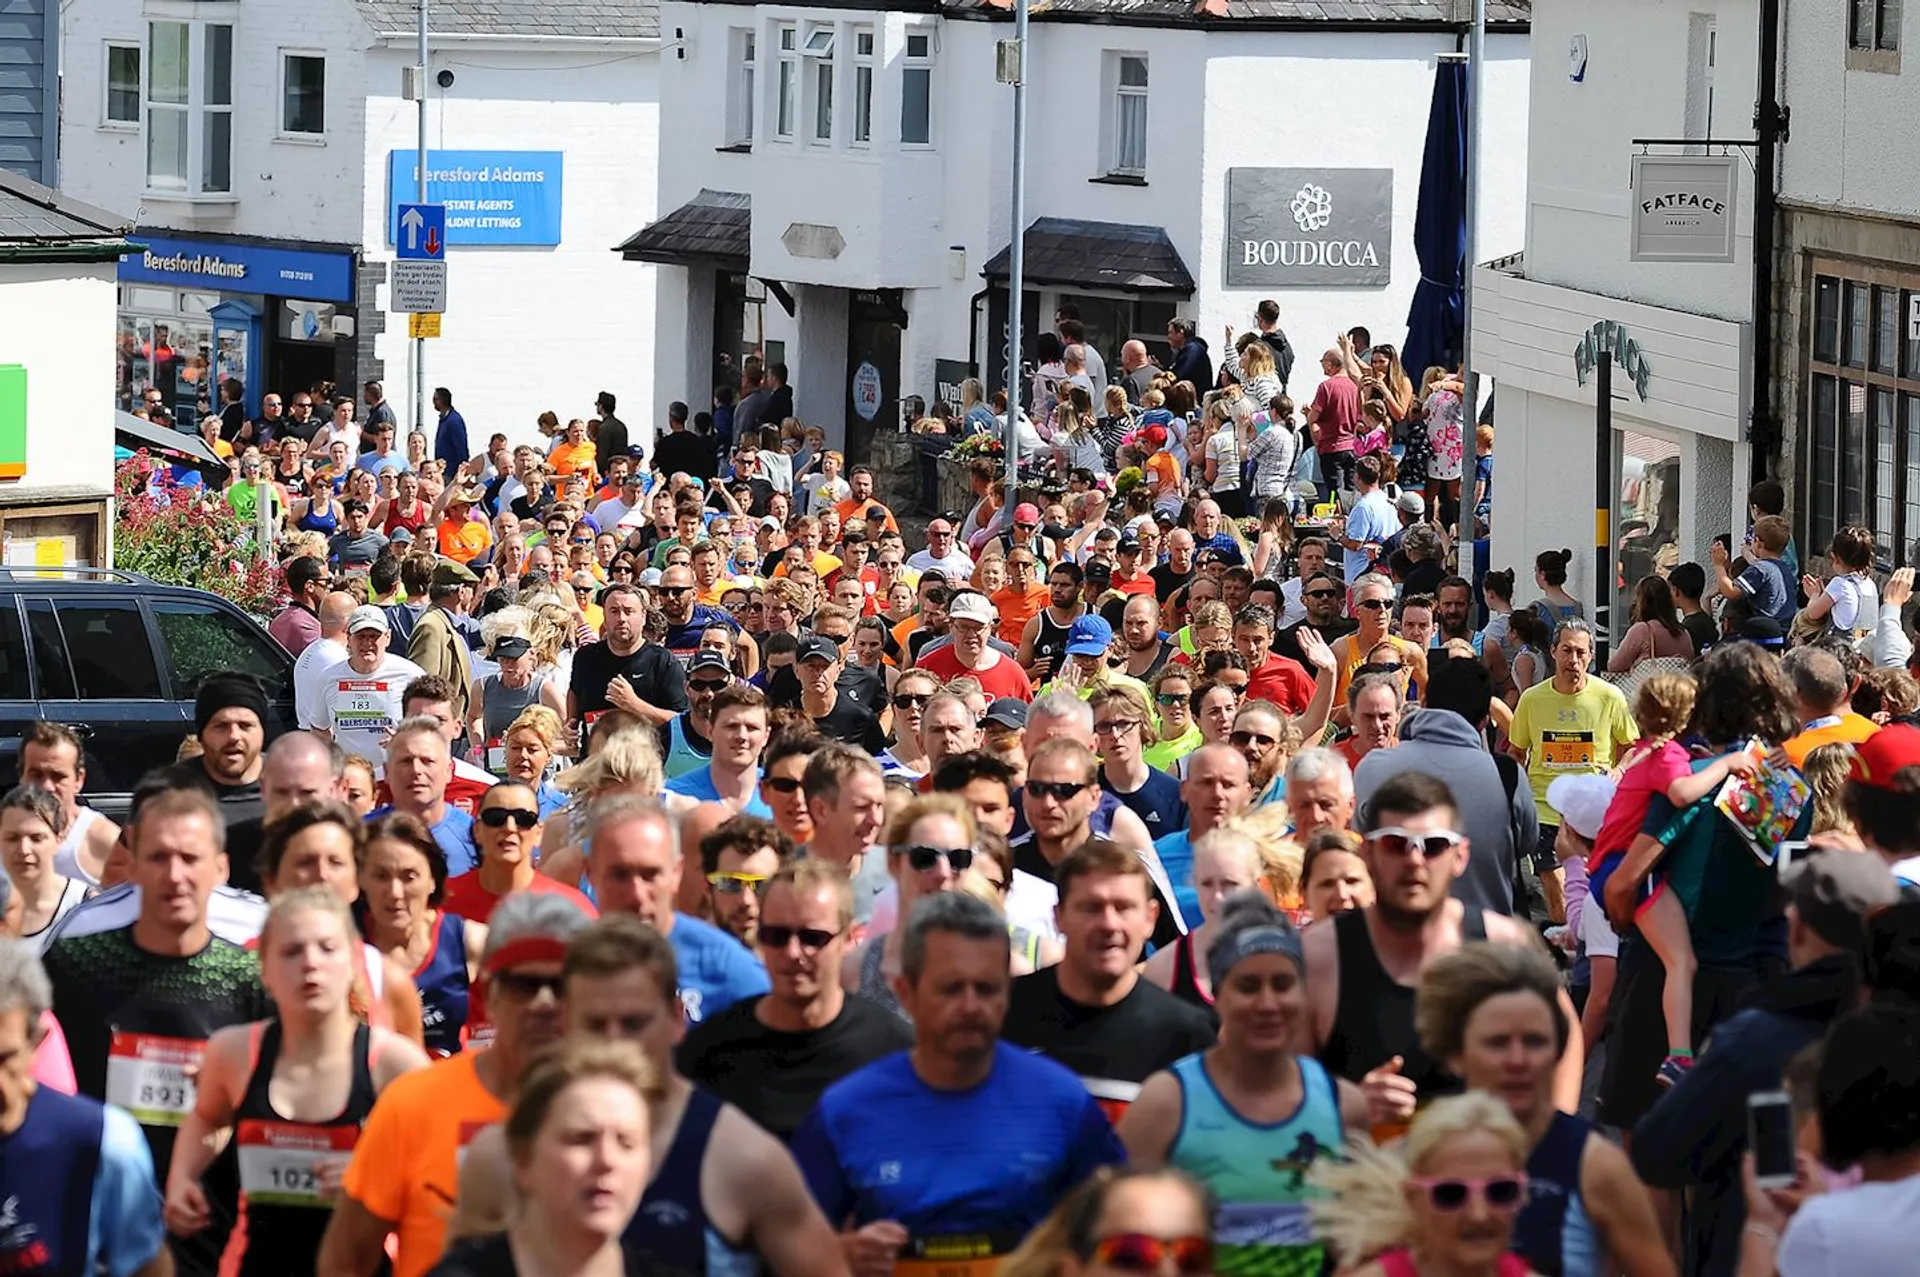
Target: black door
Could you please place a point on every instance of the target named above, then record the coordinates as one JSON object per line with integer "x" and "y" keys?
{"x": 730, "y": 347}
{"x": 873, "y": 372}
{"x": 94, "y": 662}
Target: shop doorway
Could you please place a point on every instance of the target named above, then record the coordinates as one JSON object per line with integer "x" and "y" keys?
{"x": 874, "y": 321}
{"x": 294, "y": 366}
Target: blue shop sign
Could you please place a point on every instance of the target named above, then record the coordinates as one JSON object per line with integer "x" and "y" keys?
{"x": 491, "y": 197}
{"x": 239, "y": 268}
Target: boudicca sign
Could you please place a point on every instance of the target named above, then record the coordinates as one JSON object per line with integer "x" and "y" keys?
{"x": 1309, "y": 227}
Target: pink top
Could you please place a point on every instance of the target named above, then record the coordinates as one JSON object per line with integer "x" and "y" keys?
{"x": 1650, "y": 774}
{"x": 52, "y": 1066}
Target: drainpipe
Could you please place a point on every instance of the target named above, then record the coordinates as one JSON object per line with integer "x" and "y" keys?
{"x": 1770, "y": 129}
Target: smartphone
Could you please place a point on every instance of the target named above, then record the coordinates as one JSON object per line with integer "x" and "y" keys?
{"x": 1770, "y": 1134}
{"x": 1791, "y": 852}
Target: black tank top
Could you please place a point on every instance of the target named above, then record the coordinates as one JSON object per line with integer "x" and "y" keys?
{"x": 1374, "y": 1019}
{"x": 669, "y": 1234}
{"x": 1185, "y": 986}
{"x": 281, "y": 1235}
{"x": 1050, "y": 641}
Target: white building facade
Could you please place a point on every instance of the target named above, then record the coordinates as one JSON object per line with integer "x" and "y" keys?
{"x": 1631, "y": 78}
{"x": 835, "y": 182}
{"x": 267, "y": 145}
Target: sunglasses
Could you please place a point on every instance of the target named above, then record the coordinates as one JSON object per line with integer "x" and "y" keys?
{"x": 1059, "y": 790}
{"x": 1396, "y": 841}
{"x": 782, "y": 784}
{"x": 1243, "y": 739}
{"x": 1499, "y": 1192}
{"x": 708, "y": 684}
{"x": 812, "y": 939}
{"x": 1375, "y": 605}
{"x": 1170, "y": 698}
{"x": 1144, "y": 1253}
{"x": 497, "y": 817}
{"x": 675, "y": 591}
{"x": 909, "y": 700}
{"x": 523, "y": 987}
{"x": 924, "y": 858}
{"x": 734, "y": 884}
{"x": 1323, "y": 594}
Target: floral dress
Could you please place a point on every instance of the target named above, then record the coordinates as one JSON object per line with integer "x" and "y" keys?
{"x": 1445, "y": 436}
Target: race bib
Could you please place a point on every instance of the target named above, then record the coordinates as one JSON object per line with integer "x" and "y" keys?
{"x": 153, "y": 1077}
{"x": 363, "y": 705}
{"x": 958, "y": 1255}
{"x": 281, "y": 1162}
{"x": 1566, "y": 751}
{"x": 497, "y": 756}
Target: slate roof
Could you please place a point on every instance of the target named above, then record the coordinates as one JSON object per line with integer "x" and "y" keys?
{"x": 1069, "y": 250}
{"x": 713, "y": 226}
{"x": 42, "y": 222}
{"x": 580, "y": 19}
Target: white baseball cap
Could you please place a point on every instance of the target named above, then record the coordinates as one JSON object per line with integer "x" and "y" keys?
{"x": 1582, "y": 802}
{"x": 971, "y": 605}
{"x": 367, "y": 617}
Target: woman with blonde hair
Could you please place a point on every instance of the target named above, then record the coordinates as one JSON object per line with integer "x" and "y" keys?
{"x": 1076, "y": 436}
{"x": 1492, "y": 1015}
{"x": 1226, "y": 861}
{"x": 1443, "y": 1200}
{"x": 628, "y": 762}
{"x": 1258, "y": 379}
{"x": 930, "y": 847}
{"x": 291, "y": 1090}
{"x": 1122, "y": 1222}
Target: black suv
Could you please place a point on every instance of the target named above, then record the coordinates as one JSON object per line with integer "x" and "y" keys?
{"x": 120, "y": 658}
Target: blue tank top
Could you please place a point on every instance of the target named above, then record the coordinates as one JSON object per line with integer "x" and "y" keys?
{"x": 442, "y": 981}
{"x": 47, "y": 1169}
{"x": 1553, "y": 1232}
{"x": 682, "y": 757}
{"x": 1258, "y": 1171}
{"x": 669, "y": 1234}
{"x": 309, "y": 522}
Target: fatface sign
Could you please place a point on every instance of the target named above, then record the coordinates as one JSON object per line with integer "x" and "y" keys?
{"x": 1683, "y": 208}
{"x": 1305, "y": 227}
{"x": 1609, "y": 337}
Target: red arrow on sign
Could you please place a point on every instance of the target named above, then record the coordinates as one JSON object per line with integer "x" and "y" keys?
{"x": 433, "y": 243}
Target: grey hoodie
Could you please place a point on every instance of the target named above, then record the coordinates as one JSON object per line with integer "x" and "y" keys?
{"x": 1442, "y": 744}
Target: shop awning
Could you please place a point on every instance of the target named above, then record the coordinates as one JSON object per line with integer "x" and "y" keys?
{"x": 1114, "y": 255}
{"x": 190, "y": 450}
{"x": 714, "y": 228}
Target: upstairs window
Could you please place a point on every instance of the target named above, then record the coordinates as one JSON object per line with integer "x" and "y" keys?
{"x": 916, "y": 90}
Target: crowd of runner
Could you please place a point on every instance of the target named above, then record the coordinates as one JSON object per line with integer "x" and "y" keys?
{"x": 676, "y": 869}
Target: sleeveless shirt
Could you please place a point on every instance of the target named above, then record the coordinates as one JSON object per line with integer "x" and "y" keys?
{"x": 442, "y": 981}
{"x": 1553, "y": 1232}
{"x": 1374, "y": 1019}
{"x": 670, "y": 1234}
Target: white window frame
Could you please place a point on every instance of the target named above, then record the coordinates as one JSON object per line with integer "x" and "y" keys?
{"x": 743, "y": 47}
{"x": 786, "y": 95}
{"x": 1118, "y": 95}
{"x": 281, "y": 132}
{"x": 860, "y": 102}
{"x": 818, "y": 97}
{"x": 107, "y": 121}
{"x": 928, "y": 63}
{"x": 199, "y": 111}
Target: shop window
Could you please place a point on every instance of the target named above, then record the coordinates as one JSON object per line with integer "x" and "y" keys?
{"x": 303, "y": 94}
{"x": 1647, "y": 516}
{"x": 742, "y": 44}
{"x": 819, "y": 53}
{"x": 786, "y": 107}
{"x": 916, "y": 90}
{"x": 190, "y": 108}
{"x": 1126, "y": 141}
{"x": 1862, "y": 412}
{"x": 1874, "y": 25}
{"x": 1703, "y": 49}
{"x": 1111, "y": 322}
{"x": 123, "y": 85}
{"x": 862, "y": 128}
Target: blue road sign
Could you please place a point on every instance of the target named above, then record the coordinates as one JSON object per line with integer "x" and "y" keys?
{"x": 423, "y": 233}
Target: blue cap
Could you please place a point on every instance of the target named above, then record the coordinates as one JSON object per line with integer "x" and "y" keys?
{"x": 1089, "y": 636}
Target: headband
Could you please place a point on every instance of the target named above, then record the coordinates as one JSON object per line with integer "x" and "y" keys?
{"x": 1234, "y": 947}
{"x": 526, "y": 949}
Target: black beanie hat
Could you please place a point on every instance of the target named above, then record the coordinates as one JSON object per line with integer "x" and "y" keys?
{"x": 228, "y": 691}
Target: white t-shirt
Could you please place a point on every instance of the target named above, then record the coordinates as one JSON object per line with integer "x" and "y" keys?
{"x": 1601, "y": 939}
{"x": 1856, "y": 602}
{"x": 956, "y": 565}
{"x": 1867, "y": 1229}
{"x": 1292, "y": 610}
{"x": 361, "y": 710}
{"x": 1223, "y": 449}
{"x": 309, "y": 670}
{"x": 778, "y": 468}
{"x": 823, "y": 492}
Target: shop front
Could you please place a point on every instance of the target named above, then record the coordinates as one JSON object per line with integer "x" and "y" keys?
{"x": 194, "y": 312}
{"x": 1676, "y": 451}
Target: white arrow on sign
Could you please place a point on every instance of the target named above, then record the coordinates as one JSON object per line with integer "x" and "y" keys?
{"x": 411, "y": 222}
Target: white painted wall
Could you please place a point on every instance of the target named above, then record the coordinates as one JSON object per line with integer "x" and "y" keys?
{"x": 1852, "y": 144}
{"x": 57, "y": 319}
{"x": 530, "y": 328}
{"x": 1579, "y": 189}
{"x": 1219, "y": 99}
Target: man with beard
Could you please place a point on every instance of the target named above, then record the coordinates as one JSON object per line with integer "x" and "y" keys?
{"x": 230, "y": 717}
{"x": 965, "y": 1104}
{"x": 773, "y": 1056}
{"x": 1091, "y": 1011}
{"x": 1309, "y": 561}
{"x": 857, "y": 506}
{"x": 835, "y": 714}
{"x": 1453, "y": 614}
{"x": 739, "y": 859}
{"x": 1363, "y": 966}
{"x": 1140, "y": 627}
{"x": 1043, "y": 644}
{"x": 687, "y": 619}
{"x": 1266, "y": 738}
{"x": 623, "y": 671}
{"x": 1325, "y": 603}
{"x": 686, "y": 740}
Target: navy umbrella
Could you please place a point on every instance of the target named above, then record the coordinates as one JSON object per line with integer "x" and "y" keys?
{"x": 1440, "y": 229}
